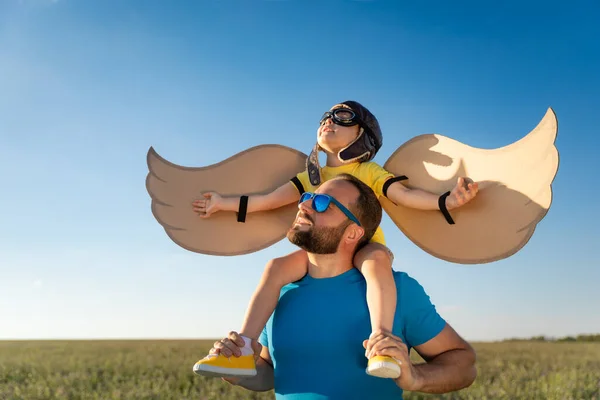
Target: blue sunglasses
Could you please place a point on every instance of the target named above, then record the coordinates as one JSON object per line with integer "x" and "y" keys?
{"x": 320, "y": 203}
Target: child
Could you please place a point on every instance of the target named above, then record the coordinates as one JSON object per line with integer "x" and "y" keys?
{"x": 350, "y": 136}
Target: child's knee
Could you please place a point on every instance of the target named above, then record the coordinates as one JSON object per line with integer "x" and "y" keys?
{"x": 380, "y": 255}
{"x": 286, "y": 269}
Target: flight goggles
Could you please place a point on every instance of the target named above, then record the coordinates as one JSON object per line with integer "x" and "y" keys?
{"x": 320, "y": 203}
{"x": 341, "y": 116}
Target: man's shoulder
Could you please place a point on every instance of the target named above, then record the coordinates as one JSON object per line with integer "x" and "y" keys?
{"x": 403, "y": 278}
{"x": 417, "y": 315}
{"x": 406, "y": 284}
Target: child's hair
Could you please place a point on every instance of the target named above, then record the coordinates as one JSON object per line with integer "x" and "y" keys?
{"x": 366, "y": 207}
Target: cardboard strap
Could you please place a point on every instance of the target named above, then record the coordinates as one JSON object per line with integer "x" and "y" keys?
{"x": 443, "y": 209}
{"x": 241, "y": 214}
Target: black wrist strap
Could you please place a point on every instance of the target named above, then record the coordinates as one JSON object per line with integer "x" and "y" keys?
{"x": 241, "y": 214}
{"x": 443, "y": 209}
{"x": 389, "y": 182}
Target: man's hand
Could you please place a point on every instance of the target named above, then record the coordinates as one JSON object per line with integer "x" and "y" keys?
{"x": 462, "y": 193}
{"x": 386, "y": 344}
{"x": 231, "y": 346}
{"x": 207, "y": 206}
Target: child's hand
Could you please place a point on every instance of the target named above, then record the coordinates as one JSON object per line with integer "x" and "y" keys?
{"x": 231, "y": 346}
{"x": 210, "y": 204}
{"x": 386, "y": 344}
{"x": 462, "y": 193}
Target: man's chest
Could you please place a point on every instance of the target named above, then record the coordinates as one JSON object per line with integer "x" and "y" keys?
{"x": 315, "y": 340}
{"x": 306, "y": 324}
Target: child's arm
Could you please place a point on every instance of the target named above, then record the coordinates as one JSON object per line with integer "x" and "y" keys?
{"x": 423, "y": 200}
{"x": 213, "y": 202}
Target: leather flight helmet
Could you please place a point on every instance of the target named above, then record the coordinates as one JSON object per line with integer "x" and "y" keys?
{"x": 362, "y": 149}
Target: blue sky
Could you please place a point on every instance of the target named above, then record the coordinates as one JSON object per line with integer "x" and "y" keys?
{"x": 87, "y": 87}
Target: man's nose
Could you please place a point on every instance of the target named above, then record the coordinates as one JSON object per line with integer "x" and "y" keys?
{"x": 305, "y": 206}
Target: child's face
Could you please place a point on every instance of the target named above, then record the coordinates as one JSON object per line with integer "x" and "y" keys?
{"x": 332, "y": 137}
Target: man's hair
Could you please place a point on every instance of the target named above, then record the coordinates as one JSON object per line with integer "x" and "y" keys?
{"x": 366, "y": 207}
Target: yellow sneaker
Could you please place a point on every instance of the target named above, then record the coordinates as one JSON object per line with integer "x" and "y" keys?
{"x": 220, "y": 366}
{"x": 383, "y": 367}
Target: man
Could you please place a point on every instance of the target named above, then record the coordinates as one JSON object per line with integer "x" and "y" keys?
{"x": 310, "y": 348}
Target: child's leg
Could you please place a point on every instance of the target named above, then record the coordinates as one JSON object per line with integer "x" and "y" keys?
{"x": 278, "y": 273}
{"x": 375, "y": 263}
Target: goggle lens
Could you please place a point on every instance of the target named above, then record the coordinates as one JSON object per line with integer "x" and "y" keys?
{"x": 341, "y": 116}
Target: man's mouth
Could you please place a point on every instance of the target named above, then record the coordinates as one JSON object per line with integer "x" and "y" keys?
{"x": 303, "y": 220}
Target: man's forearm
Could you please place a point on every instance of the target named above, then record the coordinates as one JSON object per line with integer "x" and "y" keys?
{"x": 450, "y": 371}
{"x": 262, "y": 381}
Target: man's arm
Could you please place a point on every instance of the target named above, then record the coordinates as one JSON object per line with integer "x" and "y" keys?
{"x": 449, "y": 359}
{"x": 264, "y": 379}
{"x": 449, "y": 366}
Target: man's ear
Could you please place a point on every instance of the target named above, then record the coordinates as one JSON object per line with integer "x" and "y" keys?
{"x": 354, "y": 234}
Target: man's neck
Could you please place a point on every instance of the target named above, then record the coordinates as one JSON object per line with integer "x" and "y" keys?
{"x": 328, "y": 265}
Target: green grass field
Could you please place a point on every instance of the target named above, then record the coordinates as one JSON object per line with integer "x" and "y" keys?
{"x": 161, "y": 370}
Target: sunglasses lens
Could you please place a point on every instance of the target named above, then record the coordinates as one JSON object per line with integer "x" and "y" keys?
{"x": 320, "y": 203}
{"x": 305, "y": 196}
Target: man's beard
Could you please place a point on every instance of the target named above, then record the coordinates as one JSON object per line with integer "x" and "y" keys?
{"x": 318, "y": 240}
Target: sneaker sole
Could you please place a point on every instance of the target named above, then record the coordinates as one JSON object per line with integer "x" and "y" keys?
{"x": 384, "y": 370}
{"x": 221, "y": 372}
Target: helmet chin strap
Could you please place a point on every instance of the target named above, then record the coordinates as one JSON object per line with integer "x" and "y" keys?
{"x": 314, "y": 167}
{"x": 356, "y": 158}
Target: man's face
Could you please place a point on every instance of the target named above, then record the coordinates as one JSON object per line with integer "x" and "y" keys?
{"x": 321, "y": 233}
{"x": 332, "y": 137}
